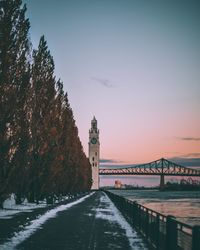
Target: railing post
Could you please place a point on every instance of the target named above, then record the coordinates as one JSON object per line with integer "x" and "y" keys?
{"x": 171, "y": 233}
{"x": 146, "y": 219}
{"x": 157, "y": 228}
{"x": 196, "y": 238}
{"x": 139, "y": 217}
{"x": 136, "y": 215}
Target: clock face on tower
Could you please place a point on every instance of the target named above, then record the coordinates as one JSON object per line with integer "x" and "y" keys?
{"x": 93, "y": 140}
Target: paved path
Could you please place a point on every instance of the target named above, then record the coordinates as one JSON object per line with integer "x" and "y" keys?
{"x": 92, "y": 222}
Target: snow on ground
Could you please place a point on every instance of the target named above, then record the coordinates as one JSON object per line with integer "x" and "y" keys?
{"x": 112, "y": 214}
{"x": 8, "y": 214}
{"x": 36, "y": 224}
{"x": 10, "y": 208}
{"x": 10, "y": 202}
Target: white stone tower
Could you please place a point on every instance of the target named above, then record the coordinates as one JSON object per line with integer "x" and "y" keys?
{"x": 94, "y": 147}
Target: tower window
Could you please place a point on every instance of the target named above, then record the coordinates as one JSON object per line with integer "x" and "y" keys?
{"x": 95, "y": 164}
{"x": 93, "y": 158}
{"x": 96, "y": 153}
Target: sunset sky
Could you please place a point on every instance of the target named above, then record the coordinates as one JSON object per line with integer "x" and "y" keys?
{"x": 135, "y": 65}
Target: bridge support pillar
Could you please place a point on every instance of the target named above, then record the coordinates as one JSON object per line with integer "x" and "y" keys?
{"x": 162, "y": 182}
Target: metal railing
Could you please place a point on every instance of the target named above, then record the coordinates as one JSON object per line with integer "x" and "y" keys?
{"x": 160, "y": 231}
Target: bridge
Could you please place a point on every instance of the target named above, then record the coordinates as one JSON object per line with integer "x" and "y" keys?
{"x": 161, "y": 167}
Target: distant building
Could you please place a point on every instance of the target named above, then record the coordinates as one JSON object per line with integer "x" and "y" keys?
{"x": 118, "y": 184}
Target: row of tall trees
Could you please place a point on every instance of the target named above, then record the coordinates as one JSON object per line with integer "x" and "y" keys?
{"x": 40, "y": 152}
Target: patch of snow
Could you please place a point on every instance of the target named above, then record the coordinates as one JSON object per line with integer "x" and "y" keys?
{"x": 89, "y": 214}
{"x": 25, "y": 201}
{"x": 10, "y": 208}
{"x": 9, "y": 211}
{"x": 19, "y": 237}
{"x": 10, "y": 202}
{"x": 8, "y": 214}
{"x": 114, "y": 215}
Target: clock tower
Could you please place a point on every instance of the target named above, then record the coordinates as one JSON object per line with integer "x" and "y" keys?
{"x": 94, "y": 146}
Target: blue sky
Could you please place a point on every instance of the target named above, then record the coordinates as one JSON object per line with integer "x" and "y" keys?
{"x": 134, "y": 65}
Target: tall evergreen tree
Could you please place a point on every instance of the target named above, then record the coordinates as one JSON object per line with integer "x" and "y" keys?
{"x": 40, "y": 152}
{"x": 43, "y": 96}
{"x": 75, "y": 161}
{"x": 14, "y": 80}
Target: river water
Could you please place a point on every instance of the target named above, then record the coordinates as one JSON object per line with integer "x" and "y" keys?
{"x": 184, "y": 205}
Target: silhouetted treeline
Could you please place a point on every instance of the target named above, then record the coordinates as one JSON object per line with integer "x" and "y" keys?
{"x": 183, "y": 185}
{"x": 40, "y": 152}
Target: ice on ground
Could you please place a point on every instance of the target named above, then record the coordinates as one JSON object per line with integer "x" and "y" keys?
{"x": 112, "y": 214}
{"x": 19, "y": 237}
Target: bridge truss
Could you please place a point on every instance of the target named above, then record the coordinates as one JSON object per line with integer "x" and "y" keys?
{"x": 160, "y": 167}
